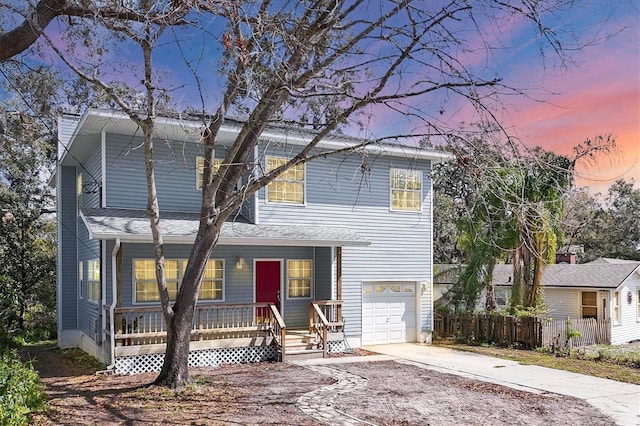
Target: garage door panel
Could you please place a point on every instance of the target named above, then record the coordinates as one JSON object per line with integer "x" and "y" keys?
{"x": 388, "y": 313}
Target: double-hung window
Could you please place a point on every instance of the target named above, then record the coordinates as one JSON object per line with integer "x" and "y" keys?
{"x": 288, "y": 187}
{"x": 200, "y": 170}
{"x": 299, "y": 278}
{"x": 406, "y": 190}
{"x": 81, "y": 280}
{"x": 94, "y": 287}
{"x": 146, "y": 287}
{"x": 589, "y": 304}
{"x": 616, "y": 307}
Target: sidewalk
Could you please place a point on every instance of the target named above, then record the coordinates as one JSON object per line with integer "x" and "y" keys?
{"x": 618, "y": 400}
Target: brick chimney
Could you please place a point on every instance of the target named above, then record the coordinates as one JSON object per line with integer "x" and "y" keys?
{"x": 566, "y": 258}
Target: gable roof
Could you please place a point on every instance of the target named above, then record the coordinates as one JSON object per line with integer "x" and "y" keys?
{"x": 133, "y": 226}
{"x": 602, "y": 275}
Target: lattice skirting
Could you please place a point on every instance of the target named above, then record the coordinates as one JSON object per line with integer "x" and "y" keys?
{"x": 146, "y": 363}
{"x": 336, "y": 347}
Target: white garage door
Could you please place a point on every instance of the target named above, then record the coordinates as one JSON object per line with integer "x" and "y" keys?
{"x": 388, "y": 312}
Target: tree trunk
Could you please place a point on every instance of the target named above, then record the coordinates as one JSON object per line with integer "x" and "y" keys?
{"x": 490, "y": 288}
{"x": 516, "y": 287}
{"x": 175, "y": 369}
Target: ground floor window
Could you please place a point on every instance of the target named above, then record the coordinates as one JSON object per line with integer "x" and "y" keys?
{"x": 616, "y": 307}
{"x": 299, "y": 278}
{"x": 589, "y": 304}
{"x": 502, "y": 297}
{"x": 94, "y": 287}
{"x": 146, "y": 287}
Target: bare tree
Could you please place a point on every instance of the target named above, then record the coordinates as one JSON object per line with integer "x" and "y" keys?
{"x": 324, "y": 65}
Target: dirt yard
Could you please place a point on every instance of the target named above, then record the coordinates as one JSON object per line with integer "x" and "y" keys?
{"x": 378, "y": 393}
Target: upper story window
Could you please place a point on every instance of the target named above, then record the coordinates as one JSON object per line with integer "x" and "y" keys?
{"x": 200, "y": 170}
{"x": 146, "y": 287}
{"x": 406, "y": 190}
{"x": 299, "y": 278}
{"x": 94, "y": 287}
{"x": 502, "y": 297}
{"x": 288, "y": 187}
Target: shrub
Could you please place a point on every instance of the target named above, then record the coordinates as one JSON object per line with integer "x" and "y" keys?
{"x": 21, "y": 391}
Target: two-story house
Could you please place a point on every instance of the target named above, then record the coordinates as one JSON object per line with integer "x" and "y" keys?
{"x": 340, "y": 247}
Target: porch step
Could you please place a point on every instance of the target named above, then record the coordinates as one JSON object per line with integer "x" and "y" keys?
{"x": 304, "y": 354}
{"x": 299, "y": 344}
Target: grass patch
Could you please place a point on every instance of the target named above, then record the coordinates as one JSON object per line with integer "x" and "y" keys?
{"x": 611, "y": 362}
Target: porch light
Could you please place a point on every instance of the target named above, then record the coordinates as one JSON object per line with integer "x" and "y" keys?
{"x": 240, "y": 263}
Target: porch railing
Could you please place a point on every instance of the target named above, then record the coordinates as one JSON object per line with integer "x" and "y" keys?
{"x": 146, "y": 325}
{"x": 325, "y": 316}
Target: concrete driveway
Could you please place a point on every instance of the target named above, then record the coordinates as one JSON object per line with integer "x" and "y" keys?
{"x": 618, "y": 400}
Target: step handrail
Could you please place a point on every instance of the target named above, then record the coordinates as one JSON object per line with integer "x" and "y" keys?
{"x": 280, "y": 330}
{"x": 316, "y": 318}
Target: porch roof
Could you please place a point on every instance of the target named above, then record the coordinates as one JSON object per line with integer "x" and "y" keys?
{"x": 133, "y": 226}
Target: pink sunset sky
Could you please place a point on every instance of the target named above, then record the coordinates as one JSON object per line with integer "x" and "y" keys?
{"x": 598, "y": 96}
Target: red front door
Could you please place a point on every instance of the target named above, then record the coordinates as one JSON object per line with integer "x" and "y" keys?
{"x": 268, "y": 281}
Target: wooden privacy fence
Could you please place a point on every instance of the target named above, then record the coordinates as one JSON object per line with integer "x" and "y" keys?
{"x": 525, "y": 332}
{"x": 576, "y": 332}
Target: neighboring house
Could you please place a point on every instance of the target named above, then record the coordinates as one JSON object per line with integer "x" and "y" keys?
{"x": 602, "y": 289}
{"x": 348, "y": 236}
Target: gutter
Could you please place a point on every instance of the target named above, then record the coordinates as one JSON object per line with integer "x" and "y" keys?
{"x": 110, "y": 368}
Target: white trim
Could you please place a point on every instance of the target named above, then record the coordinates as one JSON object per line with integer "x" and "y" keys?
{"x": 80, "y": 280}
{"x": 103, "y": 171}
{"x": 112, "y": 306}
{"x": 431, "y": 295}
{"x": 180, "y": 276}
{"x": 333, "y": 281}
{"x": 304, "y": 182}
{"x": 390, "y": 188}
{"x": 182, "y": 239}
{"x": 311, "y": 279}
{"x": 117, "y": 121}
{"x": 89, "y": 261}
{"x": 256, "y": 195}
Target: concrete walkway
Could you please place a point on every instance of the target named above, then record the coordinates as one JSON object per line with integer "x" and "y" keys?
{"x": 618, "y": 400}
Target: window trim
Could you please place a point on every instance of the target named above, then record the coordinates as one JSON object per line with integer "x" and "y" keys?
{"x": 181, "y": 264}
{"x": 391, "y": 189}
{"x": 81, "y": 279}
{"x": 304, "y": 182}
{"x": 200, "y": 170}
{"x": 93, "y": 282}
{"x": 507, "y": 296}
{"x": 582, "y": 305}
{"x": 638, "y": 305}
{"x": 616, "y": 319}
{"x": 288, "y": 279}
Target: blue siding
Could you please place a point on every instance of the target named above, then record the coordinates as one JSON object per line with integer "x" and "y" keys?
{"x": 88, "y": 311}
{"x": 323, "y": 277}
{"x": 239, "y": 286}
{"x": 67, "y": 249}
{"x": 339, "y": 194}
{"x": 175, "y": 172}
{"x": 92, "y": 179}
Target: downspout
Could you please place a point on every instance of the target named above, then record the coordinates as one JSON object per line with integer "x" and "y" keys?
{"x": 112, "y": 307}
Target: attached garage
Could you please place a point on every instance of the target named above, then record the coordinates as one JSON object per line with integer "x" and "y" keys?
{"x": 389, "y": 312}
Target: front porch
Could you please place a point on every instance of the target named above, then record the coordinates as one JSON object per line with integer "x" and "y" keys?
{"x": 221, "y": 333}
